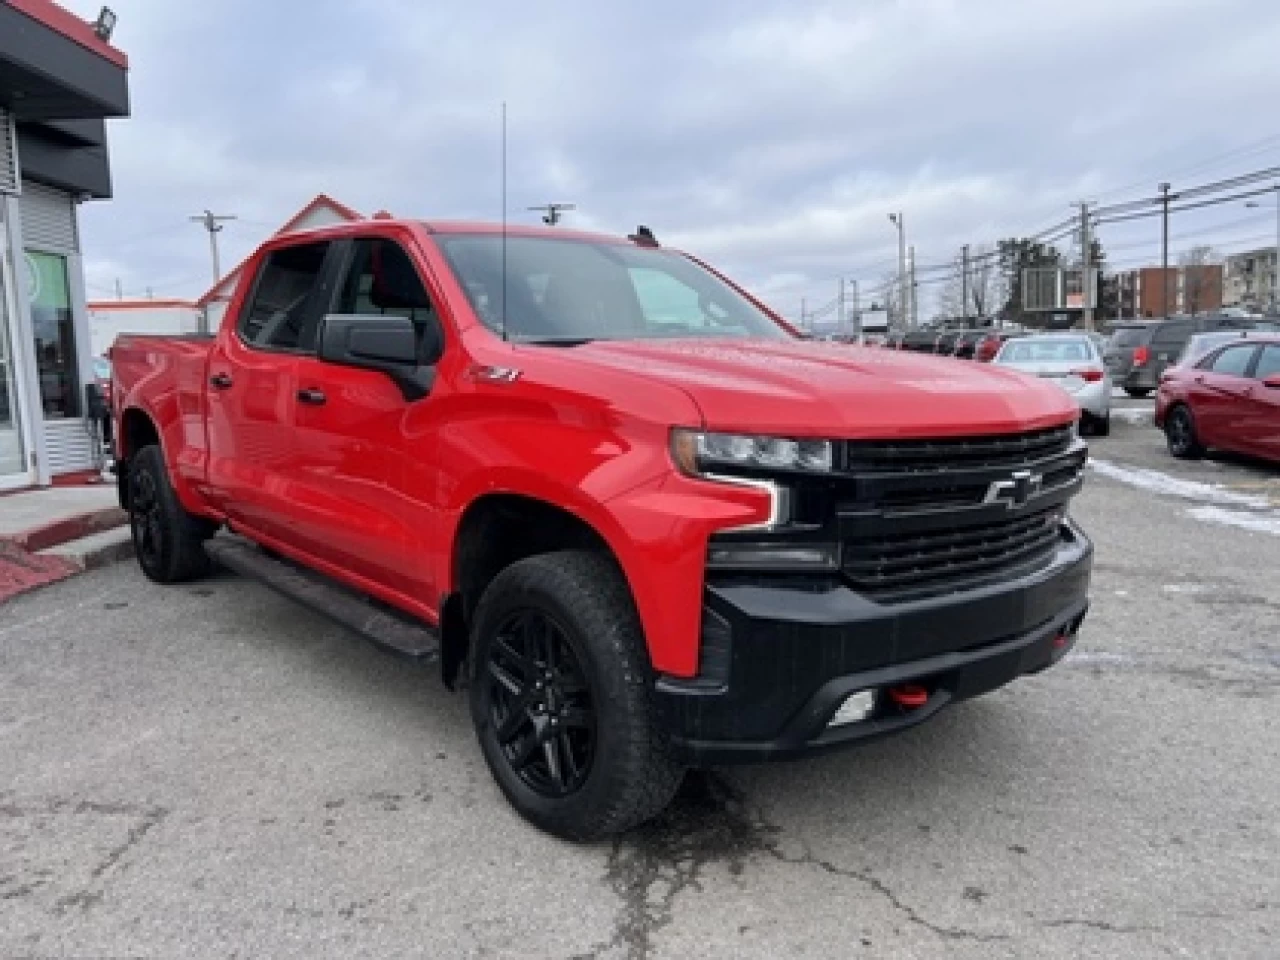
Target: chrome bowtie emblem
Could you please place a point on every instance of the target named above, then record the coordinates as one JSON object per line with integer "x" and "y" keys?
{"x": 1015, "y": 491}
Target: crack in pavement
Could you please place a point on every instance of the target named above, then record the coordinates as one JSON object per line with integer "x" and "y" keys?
{"x": 1099, "y": 925}
{"x": 709, "y": 822}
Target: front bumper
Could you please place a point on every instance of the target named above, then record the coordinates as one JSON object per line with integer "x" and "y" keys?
{"x": 782, "y": 658}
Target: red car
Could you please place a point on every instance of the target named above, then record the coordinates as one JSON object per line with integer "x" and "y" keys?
{"x": 1229, "y": 400}
{"x": 650, "y": 526}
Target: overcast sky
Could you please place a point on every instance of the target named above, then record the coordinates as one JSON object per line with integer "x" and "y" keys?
{"x": 773, "y": 142}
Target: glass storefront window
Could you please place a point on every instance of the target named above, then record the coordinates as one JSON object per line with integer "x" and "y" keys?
{"x": 11, "y": 460}
{"x": 50, "y": 298}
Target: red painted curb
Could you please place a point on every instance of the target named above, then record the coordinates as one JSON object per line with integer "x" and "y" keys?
{"x": 21, "y": 571}
{"x": 70, "y": 528}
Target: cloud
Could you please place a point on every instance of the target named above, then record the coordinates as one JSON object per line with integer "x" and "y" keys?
{"x": 771, "y": 138}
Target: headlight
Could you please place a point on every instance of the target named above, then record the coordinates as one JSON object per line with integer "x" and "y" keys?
{"x": 698, "y": 453}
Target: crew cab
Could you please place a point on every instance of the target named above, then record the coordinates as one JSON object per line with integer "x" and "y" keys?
{"x": 644, "y": 524}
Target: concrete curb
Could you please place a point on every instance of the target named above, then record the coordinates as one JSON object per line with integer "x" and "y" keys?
{"x": 96, "y": 550}
{"x": 69, "y": 529}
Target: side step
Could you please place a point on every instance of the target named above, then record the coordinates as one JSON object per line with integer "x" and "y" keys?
{"x": 351, "y": 609}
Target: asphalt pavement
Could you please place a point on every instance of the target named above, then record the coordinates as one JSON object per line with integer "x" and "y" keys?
{"x": 210, "y": 771}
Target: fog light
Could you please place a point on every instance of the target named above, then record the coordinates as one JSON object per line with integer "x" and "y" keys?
{"x": 856, "y": 706}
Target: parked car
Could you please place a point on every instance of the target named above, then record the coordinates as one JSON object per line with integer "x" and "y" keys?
{"x": 991, "y": 343}
{"x": 1228, "y": 399}
{"x": 921, "y": 341}
{"x": 1072, "y": 361}
{"x": 651, "y": 527}
{"x": 966, "y": 344}
{"x": 1201, "y": 344}
{"x": 1137, "y": 355}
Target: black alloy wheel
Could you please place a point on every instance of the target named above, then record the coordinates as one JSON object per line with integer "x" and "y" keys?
{"x": 540, "y": 704}
{"x": 1180, "y": 431}
{"x": 146, "y": 518}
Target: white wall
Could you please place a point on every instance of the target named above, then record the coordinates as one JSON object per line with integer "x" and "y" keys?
{"x": 106, "y": 322}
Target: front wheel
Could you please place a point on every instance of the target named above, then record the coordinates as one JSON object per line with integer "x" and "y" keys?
{"x": 168, "y": 541}
{"x": 561, "y": 697}
{"x": 1180, "y": 432}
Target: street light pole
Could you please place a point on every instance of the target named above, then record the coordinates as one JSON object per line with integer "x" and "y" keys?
{"x": 1164, "y": 256}
{"x": 900, "y": 222}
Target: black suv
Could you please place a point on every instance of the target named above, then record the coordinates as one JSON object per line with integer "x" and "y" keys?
{"x": 1137, "y": 354}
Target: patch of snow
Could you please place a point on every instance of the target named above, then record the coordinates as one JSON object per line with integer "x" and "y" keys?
{"x": 1161, "y": 483}
{"x": 1184, "y": 588}
{"x": 1256, "y": 522}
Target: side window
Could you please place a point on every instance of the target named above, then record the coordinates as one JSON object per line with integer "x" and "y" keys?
{"x": 276, "y": 317}
{"x": 1233, "y": 361}
{"x": 1268, "y": 362}
{"x": 383, "y": 282}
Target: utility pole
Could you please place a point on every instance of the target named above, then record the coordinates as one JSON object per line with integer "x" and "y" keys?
{"x": 802, "y": 313}
{"x": 1086, "y": 267}
{"x": 1164, "y": 246}
{"x": 213, "y": 223}
{"x": 840, "y": 308}
{"x": 551, "y": 212}
{"x": 915, "y": 317}
{"x": 964, "y": 285}
{"x": 900, "y": 222}
{"x": 119, "y": 290}
{"x": 857, "y": 313}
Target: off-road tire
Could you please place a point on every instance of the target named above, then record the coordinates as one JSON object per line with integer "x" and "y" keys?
{"x": 631, "y": 777}
{"x": 168, "y": 541}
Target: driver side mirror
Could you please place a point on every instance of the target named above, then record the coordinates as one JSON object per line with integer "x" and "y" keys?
{"x": 397, "y": 346}
{"x": 1272, "y": 381}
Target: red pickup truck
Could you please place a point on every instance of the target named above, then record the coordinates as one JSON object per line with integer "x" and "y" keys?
{"x": 647, "y": 524}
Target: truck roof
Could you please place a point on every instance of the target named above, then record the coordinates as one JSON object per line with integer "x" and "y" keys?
{"x": 476, "y": 227}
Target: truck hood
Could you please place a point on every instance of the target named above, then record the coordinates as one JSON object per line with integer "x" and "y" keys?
{"x": 801, "y": 388}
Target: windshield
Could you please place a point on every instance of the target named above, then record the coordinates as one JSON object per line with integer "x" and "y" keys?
{"x": 568, "y": 291}
{"x": 1201, "y": 344}
{"x": 1047, "y": 351}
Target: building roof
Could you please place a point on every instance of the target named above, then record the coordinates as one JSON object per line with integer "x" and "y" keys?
{"x": 70, "y": 26}
{"x": 223, "y": 289}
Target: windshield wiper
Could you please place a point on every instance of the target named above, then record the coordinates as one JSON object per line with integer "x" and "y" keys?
{"x": 556, "y": 341}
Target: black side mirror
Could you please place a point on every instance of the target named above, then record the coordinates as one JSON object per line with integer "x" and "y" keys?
{"x": 397, "y": 346}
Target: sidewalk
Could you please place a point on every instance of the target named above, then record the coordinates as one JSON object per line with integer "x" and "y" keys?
{"x": 52, "y": 533}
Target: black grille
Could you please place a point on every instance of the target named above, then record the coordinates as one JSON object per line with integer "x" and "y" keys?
{"x": 934, "y": 456}
{"x": 931, "y": 516}
{"x": 912, "y": 561}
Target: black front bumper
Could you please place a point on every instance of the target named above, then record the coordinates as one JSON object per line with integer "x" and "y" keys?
{"x": 780, "y": 659}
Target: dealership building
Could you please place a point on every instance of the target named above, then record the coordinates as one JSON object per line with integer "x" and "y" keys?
{"x": 60, "y": 79}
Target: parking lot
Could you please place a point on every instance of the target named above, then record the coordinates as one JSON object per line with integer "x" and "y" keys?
{"x": 212, "y": 771}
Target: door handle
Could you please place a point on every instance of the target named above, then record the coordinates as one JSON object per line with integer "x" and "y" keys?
{"x": 313, "y": 397}
{"x": 221, "y": 381}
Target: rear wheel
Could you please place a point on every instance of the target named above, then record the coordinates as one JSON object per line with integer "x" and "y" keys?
{"x": 1180, "y": 432}
{"x": 561, "y": 697}
{"x": 168, "y": 541}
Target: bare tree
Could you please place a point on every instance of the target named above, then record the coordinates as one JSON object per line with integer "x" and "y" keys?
{"x": 887, "y": 296}
{"x": 951, "y": 295}
{"x": 1201, "y": 278}
{"x": 984, "y": 280}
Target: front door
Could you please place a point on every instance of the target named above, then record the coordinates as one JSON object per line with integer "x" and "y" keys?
{"x": 1219, "y": 403}
{"x": 15, "y": 465}
{"x": 251, "y": 392}
{"x": 364, "y": 477}
{"x": 1264, "y": 407}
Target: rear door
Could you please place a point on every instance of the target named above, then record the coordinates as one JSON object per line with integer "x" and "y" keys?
{"x": 250, "y": 388}
{"x": 1263, "y": 416}
{"x": 1218, "y": 396}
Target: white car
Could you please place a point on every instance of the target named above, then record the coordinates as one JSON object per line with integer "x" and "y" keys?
{"x": 1072, "y": 361}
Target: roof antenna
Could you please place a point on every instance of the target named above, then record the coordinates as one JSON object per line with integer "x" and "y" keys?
{"x": 503, "y": 314}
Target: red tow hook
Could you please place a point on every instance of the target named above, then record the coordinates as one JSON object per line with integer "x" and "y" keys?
{"x": 909, "y": 696}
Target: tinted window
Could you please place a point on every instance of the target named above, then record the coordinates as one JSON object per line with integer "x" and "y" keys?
{"x": 566, "y": 290}
{"x": 1171, "y": 333}
{"x": 1233, "y": 361}
{"x": 1268, "y": 362}
{"x": 383, "y": 281}
{"x": 1129, "y": 337}
{"x": 277, "y": 316}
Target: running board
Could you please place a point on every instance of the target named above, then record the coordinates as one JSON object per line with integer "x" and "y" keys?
{"x": 353, "y": 610}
